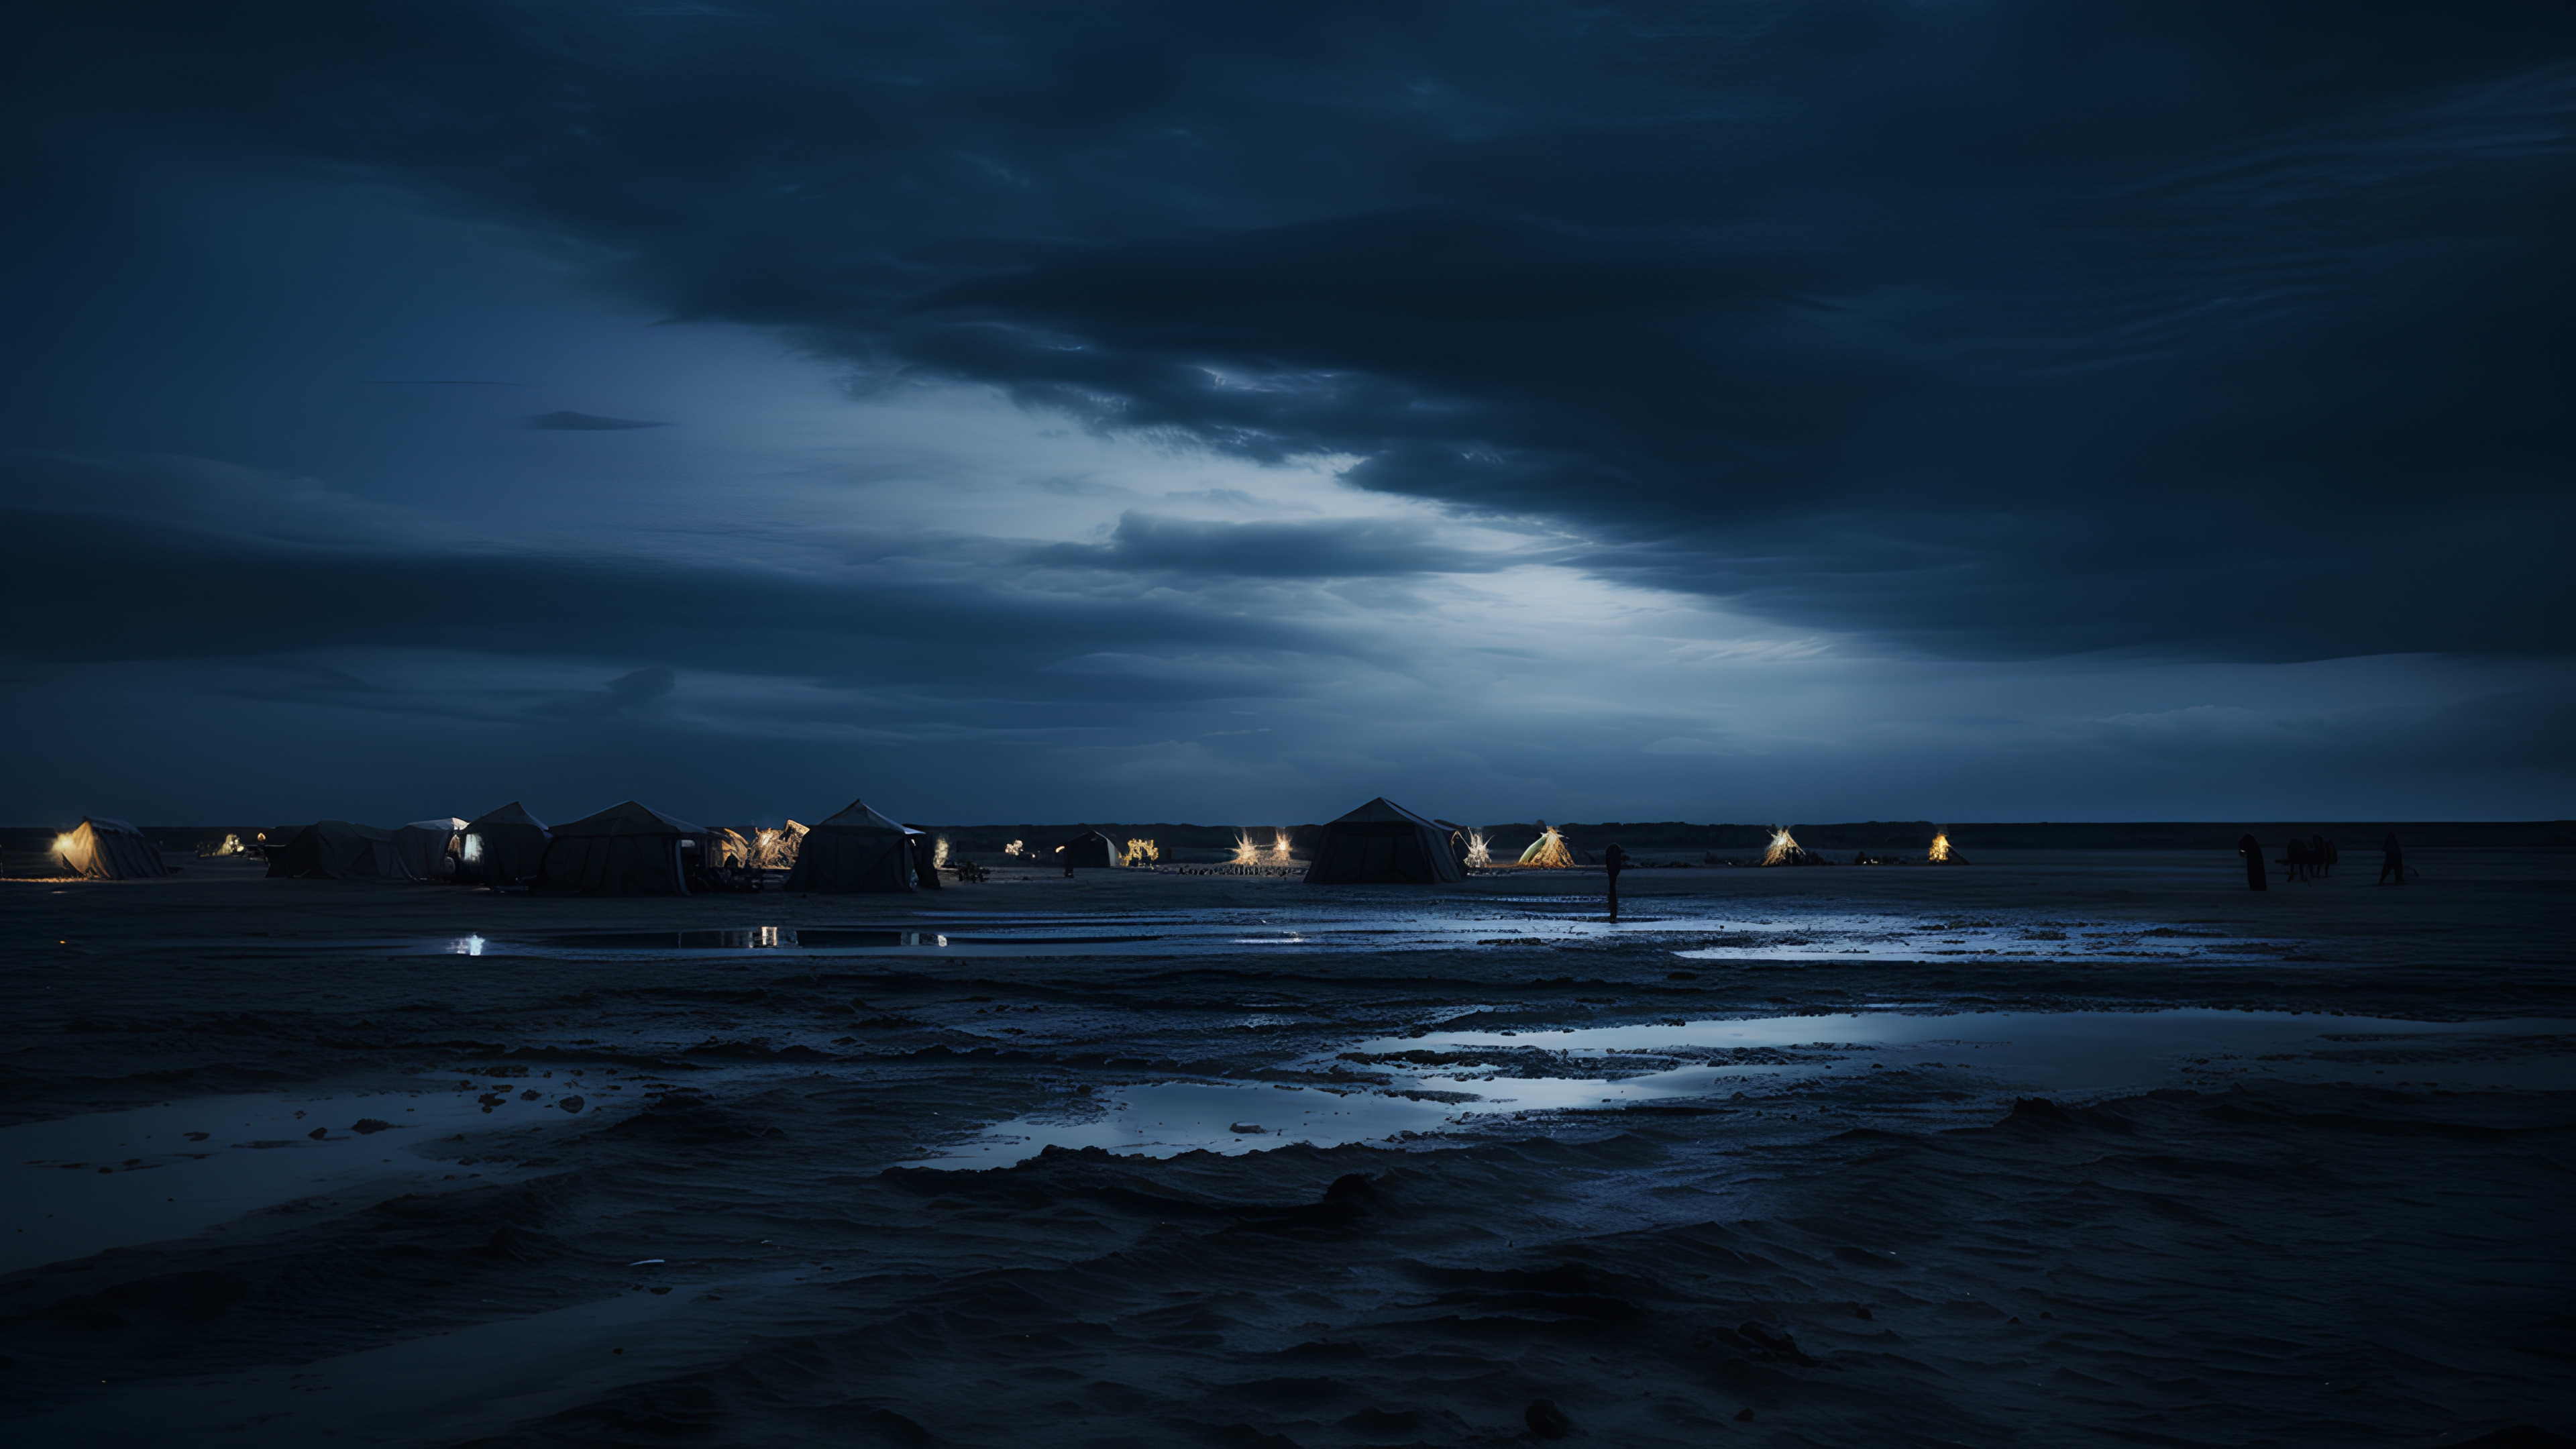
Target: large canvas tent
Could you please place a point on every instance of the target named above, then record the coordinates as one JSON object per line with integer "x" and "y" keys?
{"x": 428, "y": 849}
{"x": 626, "y": 850}
{"x": 109, "y": 850}
{"x": 336, "y": 850}
{"x": 860, "y": 850}
{"x": 1384, "y": 843}
{"x": 1087, "y": 850}
{"x": 502, "y": 847}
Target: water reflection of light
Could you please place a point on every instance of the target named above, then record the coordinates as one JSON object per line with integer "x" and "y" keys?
{"x": 466, "y": 946}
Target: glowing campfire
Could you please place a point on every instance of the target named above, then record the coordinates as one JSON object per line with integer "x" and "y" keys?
{"x": 1141, "y": 852}
{"x": 939, "y": 852}
{"x": 1941, "y": 853}
{"x": 1785, "y": 849}
{"x": 776, "y": 849}
{"x": 1480, "y": 854}
{"x": 1248, "y": 851}
{"x": 1018, "y": 847}
{"x": 1548, "y": 850}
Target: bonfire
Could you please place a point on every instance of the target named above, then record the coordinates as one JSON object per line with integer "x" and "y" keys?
{"x": 1480, "y": 855}
{"x": 1246, "y": 850}
{"x": 1018, "y": 847}
{"x": 1941, "y": 853}
{"x": 1141, "y": 852}
{"x": 1785, "y": 849}
{"x": 1548, "y": 850}
{"x": 776, "y": 849}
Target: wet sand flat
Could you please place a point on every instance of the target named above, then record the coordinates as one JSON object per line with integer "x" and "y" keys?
{"x": 2061, "y": 1147}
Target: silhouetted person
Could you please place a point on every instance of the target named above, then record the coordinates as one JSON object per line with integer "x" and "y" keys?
{"x": 2256, "y": 878}
{"x": 1614, "y": 860}
{"x": 2392, "y": 860}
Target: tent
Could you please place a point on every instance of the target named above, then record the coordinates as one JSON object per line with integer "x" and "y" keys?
{"x": 1090, "y": 848}
{"x": 336, "y": 850}
{"x": 109, "y": 850}
{"x": 1382, "y": 842}
{"x": 502, "y": 847}
{"x": 625, "y": 850}
{"x": 728, "y": 846}
{"x": 860, "y": 850}
{"x": 428, "y": 848}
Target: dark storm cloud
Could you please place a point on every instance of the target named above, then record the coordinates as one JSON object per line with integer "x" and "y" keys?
{"x": 2004, "y": 328}
{"x": 108, "y": 587}
{"x": 573, "y": 422}
{"x": 1340, "y": 548}
{"x": 633, "y": 690}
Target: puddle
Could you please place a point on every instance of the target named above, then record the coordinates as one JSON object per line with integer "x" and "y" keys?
{"x": 1450, "y": 1079}
{"x": 74, "y": 1186}
{"x": 1696, "y": 929}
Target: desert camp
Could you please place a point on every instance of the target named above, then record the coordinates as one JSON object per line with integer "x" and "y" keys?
{"x": 99, "y": 849}
{"x": 1382, "y": 843}
{"x": 629, "y": 849}
{"x": 337, "y": 850}
{"x": 1090, "y": 850}
{"x": 859, "y": 851}
{"x": 502, "y": 848}
{"x": 429, "y": 849}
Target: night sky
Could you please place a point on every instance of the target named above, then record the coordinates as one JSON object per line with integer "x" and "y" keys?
{"x": 1227, "y": 413}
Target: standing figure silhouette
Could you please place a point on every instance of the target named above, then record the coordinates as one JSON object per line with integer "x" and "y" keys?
{"x": 2392, "y": 860}
{"x": 2256, "y": 879}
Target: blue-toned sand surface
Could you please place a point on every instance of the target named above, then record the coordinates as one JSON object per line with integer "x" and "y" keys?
{"x": 2059, "y": 1148}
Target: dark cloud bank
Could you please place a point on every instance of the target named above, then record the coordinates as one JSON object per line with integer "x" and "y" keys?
{"x": 1992, "y": 331}
{"x": 2007, "y": 328}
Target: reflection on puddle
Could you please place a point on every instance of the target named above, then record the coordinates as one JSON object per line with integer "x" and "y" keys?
{"x": 1422, "y": 1084}
{"x": 76, "y": 1185}
{"x": 1699, "y": 930}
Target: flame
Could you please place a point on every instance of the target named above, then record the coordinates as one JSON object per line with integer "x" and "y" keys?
{"x": 939, "y": 852}
{"x": 62, "y": 845}
{"x": 1016, "y": 847}
{"x": 1479, "y": 854}
{"x": 1548, "y": 850}
{"x": 1141, "y": 851}
{"x": 1245, "y": 852}
{"x": 1279, "y": 854}
{"x": 1940, "y": 847}
{"x": 1785, "y": 849}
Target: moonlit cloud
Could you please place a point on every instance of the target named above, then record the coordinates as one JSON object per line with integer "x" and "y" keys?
{"x": 1742, "y": 411}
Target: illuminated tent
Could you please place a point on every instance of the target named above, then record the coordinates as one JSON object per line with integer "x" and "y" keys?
{"x": 109, "y": 850}
{"x": 625, "y": 850}
{"x": 1384, "y": 843}
{"x": 428, "y": 849}
{"x": 502, "y": 847}
{"x": 1088, "y": 850}
{"x": 861, "y": 851}
{"x": 336, "y": 850}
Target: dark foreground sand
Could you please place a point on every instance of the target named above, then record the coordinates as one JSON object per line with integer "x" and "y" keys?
{"x": 1746, "y": 1169}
